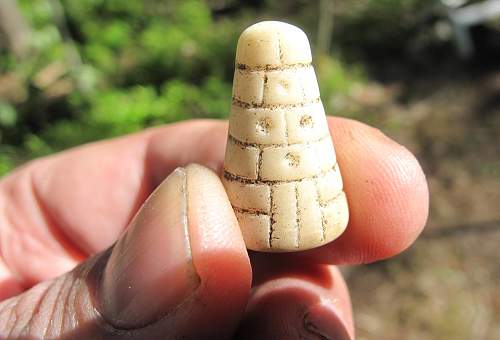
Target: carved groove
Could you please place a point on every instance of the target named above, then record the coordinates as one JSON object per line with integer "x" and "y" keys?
{"x": 244, "y": 180}
{"x": 270, "y": 68}
{"x": 273, "y": 145}
{"x": 297, "y": 216}
{"x": 245, "y": 105}
{"x": 271, "y": 219}
{"x": 247, "y": 211}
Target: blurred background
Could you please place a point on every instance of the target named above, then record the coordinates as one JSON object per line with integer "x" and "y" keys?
{"x": 426, "y": 72}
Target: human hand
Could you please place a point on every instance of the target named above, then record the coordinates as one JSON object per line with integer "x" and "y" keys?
{"x": 180, "y": 269}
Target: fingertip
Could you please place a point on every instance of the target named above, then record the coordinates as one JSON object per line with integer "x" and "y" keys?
{"x": 181, "y": 262}
{"x": 294, "y": 305}
{"x": 210, "y": 208}
{"x": 404, "y": 210}
{"x": 218, "y": 246}
{"x": 219, "y": 252}
{"x": 387, "y": 194}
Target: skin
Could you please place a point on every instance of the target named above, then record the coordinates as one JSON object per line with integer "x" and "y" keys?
{"x": 76, "y": 263}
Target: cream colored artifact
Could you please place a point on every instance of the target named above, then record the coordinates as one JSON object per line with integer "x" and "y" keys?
{"x": 280, "y": 170}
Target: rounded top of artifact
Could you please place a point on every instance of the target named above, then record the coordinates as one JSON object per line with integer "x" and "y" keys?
{"x": 272, "y": 44}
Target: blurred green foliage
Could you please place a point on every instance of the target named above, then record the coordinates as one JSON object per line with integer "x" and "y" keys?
{"x": 101, "y": 68}
{"x": 104, "y": 68}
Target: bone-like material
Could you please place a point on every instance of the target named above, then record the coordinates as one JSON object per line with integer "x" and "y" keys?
{"x": 280, "y": 171}
{"x": 273, "y": 43}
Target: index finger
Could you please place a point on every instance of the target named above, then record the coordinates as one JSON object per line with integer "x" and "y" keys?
{"x": 57, "y": 210}
{"x": 384, "y": 183}
{"x": 89, "y": 194}
{"x": 386, "y": 192}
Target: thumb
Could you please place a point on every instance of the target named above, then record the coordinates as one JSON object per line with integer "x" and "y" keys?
{"x": 180, "y": 271}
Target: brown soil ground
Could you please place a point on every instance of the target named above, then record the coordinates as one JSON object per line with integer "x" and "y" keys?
{"x": 447, "y": 285}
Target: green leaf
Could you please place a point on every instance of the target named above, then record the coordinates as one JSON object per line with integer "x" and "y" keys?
{"x": 8, "y": 115}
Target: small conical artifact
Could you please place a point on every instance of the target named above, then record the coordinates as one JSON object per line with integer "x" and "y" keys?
{"x": 280, "y": 169}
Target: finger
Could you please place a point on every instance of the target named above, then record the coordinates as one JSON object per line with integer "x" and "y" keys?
{"x": 292, "y": 301}
{"x": 63, "y": 207}
{"x": 56, "y": 211}
{"x": 9, "y": 286}
{"x": 387, "y": 194}
{"x": 182, "y": 262}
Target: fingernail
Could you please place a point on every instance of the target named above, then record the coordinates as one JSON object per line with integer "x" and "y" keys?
{"x": 326, "y": 322}
{"x": 150, "y": 271}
